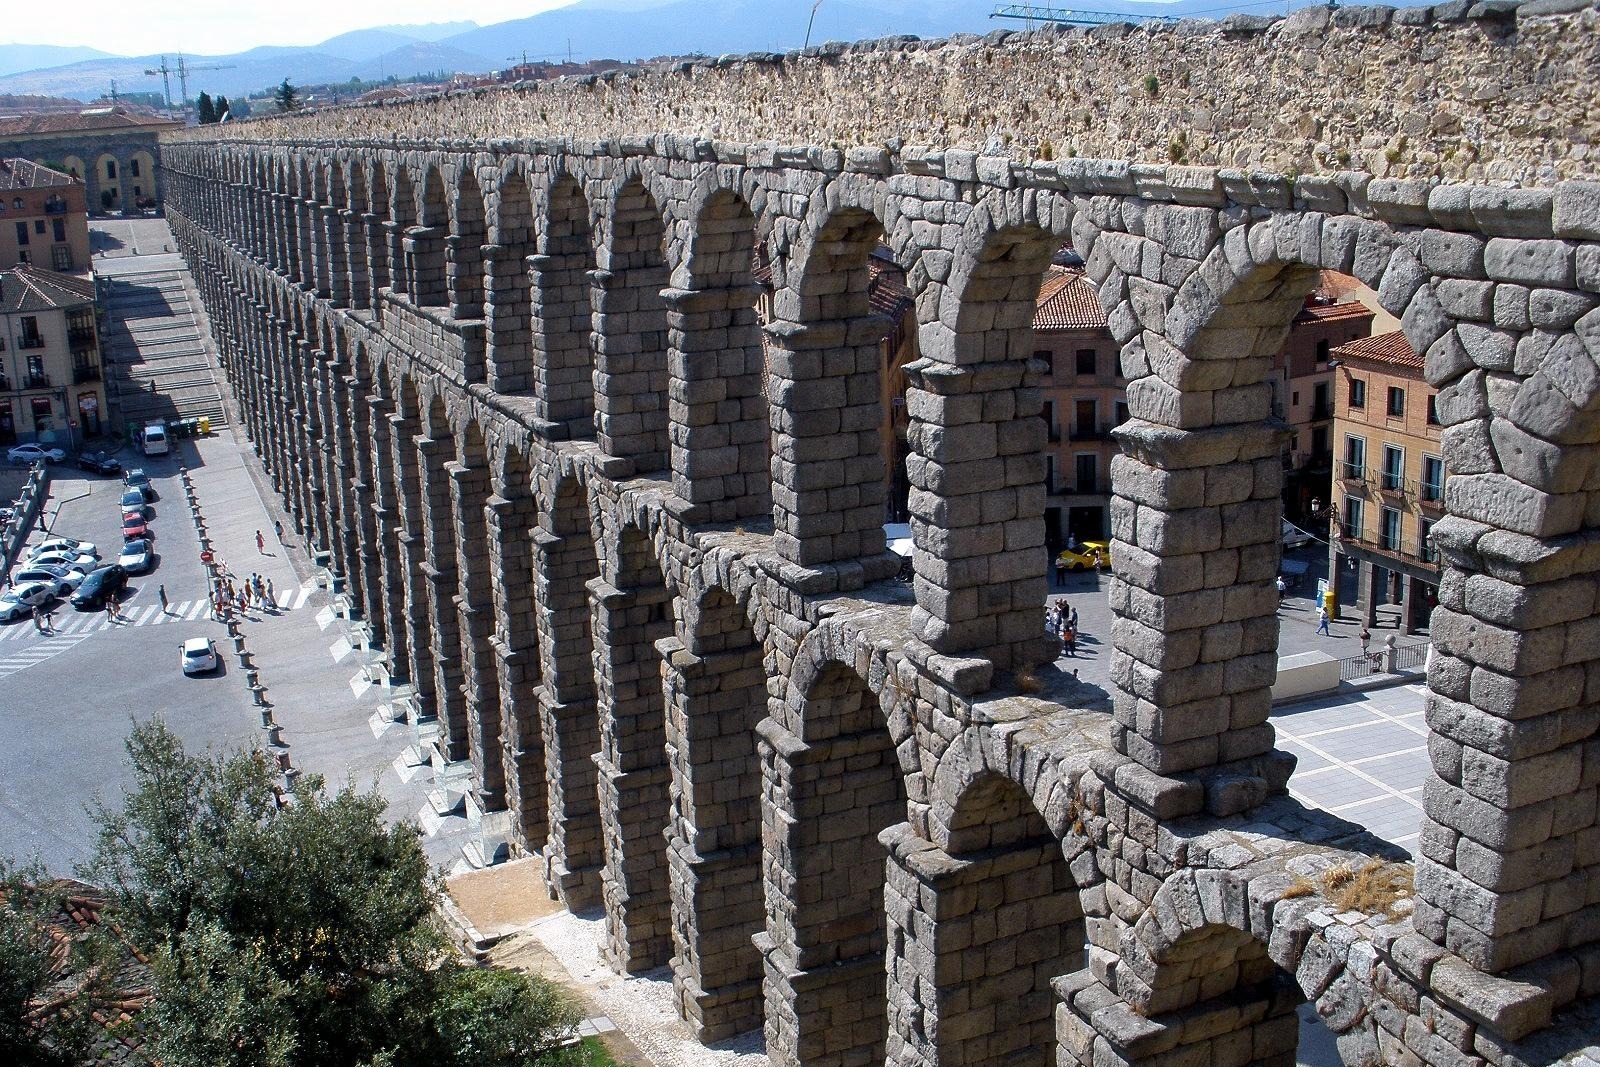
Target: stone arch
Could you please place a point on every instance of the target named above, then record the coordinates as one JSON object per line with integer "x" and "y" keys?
{"x": 720, "y": 426}
{"x": 716, "y": 694}
{"x": 563, "y": 354}
{"x": 464, "y": 249}
{"x": 471, "y": 491}
{"x": 506, "y": 289}
{"x": 108, "y": 172}
{"x": 825, "y": 874}
{"x": 424, "y": 243}
{"x": 630, "y": 330}
{"x": 981, "y": 930}
{"x": 75, "y": 166}
{"x": 402, "y": 218}
{"x": 823, "y": 362}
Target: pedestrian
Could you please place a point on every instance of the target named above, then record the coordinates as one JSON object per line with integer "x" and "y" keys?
{"x": 161, "y": 594}
{"x": 261, "y": 587}
{"x": 1061, "y": 573}
{"x": 38, "y": 619}
{"x": 1052, "y": 621}
{"x": 272, "y": 597}
{"x": 1072, "y": 618}
{"x": 277, "y": 525}
{"x": 1283, "y": 587}
{"x": 1070, "y": 640}
{"x": 244, "y": 597}
{"x": 261, "y": 543}
{"x": 111, "y": 610}
{"x": 1322, "y": 622}
{"x": 1366, "y": 638}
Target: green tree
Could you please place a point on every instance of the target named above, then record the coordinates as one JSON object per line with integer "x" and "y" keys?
{"x": 205, "y": 111}
{"x": 294, "y": 931}
{"x": 286, "y": 96}
{"x": 221, "y": 107}
{"x": 44, "y": 1000}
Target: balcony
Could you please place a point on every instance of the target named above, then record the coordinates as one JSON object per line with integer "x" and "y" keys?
{"x": 30, "y": 341}
{"x": 55, "y": 207}
{"x": 1353, "y": 472}
{"x": 1321, "y": 412}
{"x": 37, "y": 381}
{"x": 80, "y": 338}
{"x": 85, "y": 372}
{"x": 1421, "y": 553}
{"x": 5, "y": 384}
{"x": 1093, "y": 431}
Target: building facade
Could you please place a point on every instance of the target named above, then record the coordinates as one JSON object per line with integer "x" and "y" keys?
{"x": 44, "y": 220}
{"x": 52, "y": 388}
{"x": 115, "y": 150}
{"x": 1390, "y": 482}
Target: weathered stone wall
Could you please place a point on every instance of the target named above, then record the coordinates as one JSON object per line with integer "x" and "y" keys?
{"x": 1458, "y": 91}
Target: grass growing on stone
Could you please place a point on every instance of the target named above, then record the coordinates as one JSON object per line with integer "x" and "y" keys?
{"x": 1374, "y": 888}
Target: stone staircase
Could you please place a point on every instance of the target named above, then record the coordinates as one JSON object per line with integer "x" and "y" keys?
{"x": 155, "y": 358}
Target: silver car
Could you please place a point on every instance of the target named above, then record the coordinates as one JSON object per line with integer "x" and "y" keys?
{"x": 19, "y": 601}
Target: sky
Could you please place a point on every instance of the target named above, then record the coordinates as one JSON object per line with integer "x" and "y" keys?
{"x": 219, "y": 28}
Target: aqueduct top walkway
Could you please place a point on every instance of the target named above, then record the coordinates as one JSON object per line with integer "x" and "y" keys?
{"x": 615, "y": 514}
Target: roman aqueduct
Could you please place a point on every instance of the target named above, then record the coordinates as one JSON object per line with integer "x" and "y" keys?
{"x": 622, "y": 534}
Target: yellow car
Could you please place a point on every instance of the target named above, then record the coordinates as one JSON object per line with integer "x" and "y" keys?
{"x": 1090, "y": 555}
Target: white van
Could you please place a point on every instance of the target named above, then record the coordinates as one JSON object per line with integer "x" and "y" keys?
{"x": 155, "y": 439}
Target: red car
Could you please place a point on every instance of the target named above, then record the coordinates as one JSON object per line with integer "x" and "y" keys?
{"x": 134, "y": 526}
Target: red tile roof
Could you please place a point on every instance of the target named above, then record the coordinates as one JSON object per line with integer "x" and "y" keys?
{"x": 1067, "y": 301}
{"x": 24, "y": 289}
{"x": 26, "y": 174}
{"x": 111, "y": 118}
{"x": 1391, "y": 349}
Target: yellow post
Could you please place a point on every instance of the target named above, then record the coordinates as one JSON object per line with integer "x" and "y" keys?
{"x": 1330, "y": 601}
{"x": 205, "y": 425}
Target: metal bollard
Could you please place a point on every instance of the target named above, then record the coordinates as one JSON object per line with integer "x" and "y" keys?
{"x": 266, "y": 718}
{"x": 274, "y": 734}
{"x": 258, "y": 693}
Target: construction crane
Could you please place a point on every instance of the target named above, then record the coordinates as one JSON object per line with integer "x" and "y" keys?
{"x": 1045, "y": 13}
{"x": 181, "y": 69}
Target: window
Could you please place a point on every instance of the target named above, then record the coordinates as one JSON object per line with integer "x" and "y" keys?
{"x": 17, "y": 203}
{"x": 61, "y": 257}
{"x": 1355, "y": 458}
{"x": 1047, "y": 357}
{"x": 1049, "y": 415}
{"x": 1088, "y": 471}
{"x": 1358, "y": 392}
{"x": 43, "y": 414}
{"x": 1087, "y": 362}
{"x": 1049, "y": 474}
{"x": 25, "y": 256}
{"x": 1350, "y": 525}
{"x": 58, "y": 229}
{"x": 30, "y": 333}
{"x": 1086, "y": 416}
{"x": 1319, "y": 441}
{"x": 138, "y": 190}
{"x": 1122, "y": 412}
{"x": 22, "y": 233}
{"x": 1433, "y": 410}
{"x": 38, "y": 227}
{"x": 1323, "y": 351}
{"x": 1389, "y": 529}
{"x": 1394, "y": 468}
{"x": 111, "y": 170}
{"x": 1397, "y": 401}
{"x": 133, "y": 168}
{"x": 1432, "y": 478}
{"x": 1320, "y": 408}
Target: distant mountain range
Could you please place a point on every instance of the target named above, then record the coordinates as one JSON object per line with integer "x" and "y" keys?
{"x": 590, "y": 29}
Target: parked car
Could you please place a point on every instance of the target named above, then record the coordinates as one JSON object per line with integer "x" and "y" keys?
{"x": 135, "y": 526}
{"x": 1090, "y": 555}
{"x": 19, "y": 601}
{"x": 65, "y": 579}
{"x": 136, "y": 556}
{"x": 35, "y": 454}
{"x": 133, "y": 502}
{"x": 81, "y": 560}
{"x": 198, "y": 655}
{"x": 62, "y": 544}
{"x": 104, "y": 582}
{"x": 138, "y": 479}
{"x": 99, "y": 463}
{"x": 1294, "y": 537}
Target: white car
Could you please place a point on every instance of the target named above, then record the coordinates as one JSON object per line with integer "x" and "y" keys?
{"x": 198, "y": 656}
{"x": 135, "y": 556}
{"x": 19, "y": 601}
{"x": 65, "y": 558}
{"x": 35, "y": 454}
{"x": 63, "y": 544}
{"x": 1294, "y": 537}
{"x": 64, "y": 579}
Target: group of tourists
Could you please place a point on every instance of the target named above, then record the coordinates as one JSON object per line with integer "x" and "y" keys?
{"x": 228, "y": 596}
{"x": 1061, "y": 619}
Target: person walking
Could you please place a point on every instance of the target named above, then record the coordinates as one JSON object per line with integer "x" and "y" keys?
{"x": 1365, "y": 638}
{"x": 1070, "y": 641}
{"x": 1322, "y": 623}
{"x": 161, "y": 594}
{"x": 277, "y": 526}
{"x": 261, "y": 543}
{"x": 1072, "y": 618}
{"x": 41, "y": 621}
{"x": 272, "y": 597}
{"x": 1061, "y": 573}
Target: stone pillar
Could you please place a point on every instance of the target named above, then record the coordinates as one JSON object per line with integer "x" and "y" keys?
{"x": 634, "y": 773}
{"x": 306, "y": 234}
{"x": 563, "y": 353}
{"x": 827, "y": 468}
{"x": 508, "y": 333}
{"x": 630, "y": 369}
{"x": 333, "y": 280}
{"x": 358, "y": 276}
{"x": 424, "y": 249}
{"x": 977, "y": 494}
{"x": 464, "y": 276}
{"x": 1509, "y": 854}
{"x": 389, "y": 549}
{"x": 442, "y": 573}
{"x": 1195, "y": 520}
{"x": 569, "y": 716}
{"x": 713, "y": 702}
{"x": 509, "y": 526}
{"x": 398, "y": 273}
{"x": 475, "y": 595}
{"x": 720, "y": 431}
{"x": 370, "y": 535}
{"x": 413, "y": 561}
{"x": 376, "y": 232}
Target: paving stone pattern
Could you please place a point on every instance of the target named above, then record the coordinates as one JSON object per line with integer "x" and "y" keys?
{"x": 902, "y": 836}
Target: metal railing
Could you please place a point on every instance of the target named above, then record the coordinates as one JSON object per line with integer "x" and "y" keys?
{"x": 1091, "y": 432}
{"x": 88, "y": 372}
{"x": 38, "y": 381}
{"x": 80, "y": 337}
{"x": 1382, "y": 659}
{"x": 30, "y": 341}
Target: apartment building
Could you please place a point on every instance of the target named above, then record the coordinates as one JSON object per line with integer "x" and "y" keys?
{"x": 52, "y": 390}
{"x": 1390, "y": 486}
{"x": 44, "y": 219}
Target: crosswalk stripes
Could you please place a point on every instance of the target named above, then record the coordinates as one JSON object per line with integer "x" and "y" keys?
{"x": 23, "y": 658}
{"x": 79, "y": 624}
